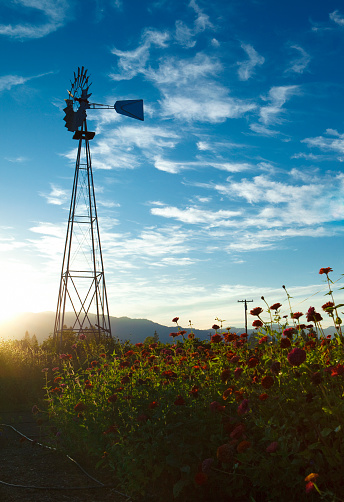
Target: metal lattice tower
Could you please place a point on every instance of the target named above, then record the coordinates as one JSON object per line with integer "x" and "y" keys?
{"x": 82, "y": 286}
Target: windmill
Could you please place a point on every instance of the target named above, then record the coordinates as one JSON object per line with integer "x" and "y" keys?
{"x": 82, "y": 285}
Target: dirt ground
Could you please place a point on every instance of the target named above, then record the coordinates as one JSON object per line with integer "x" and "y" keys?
{"x": 44, "y": 475}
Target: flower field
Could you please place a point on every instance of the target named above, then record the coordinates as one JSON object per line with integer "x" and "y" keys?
{"x": 236, "y": 418}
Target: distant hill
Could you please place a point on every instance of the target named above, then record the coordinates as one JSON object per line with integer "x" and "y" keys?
{"x": 135, "y": 330}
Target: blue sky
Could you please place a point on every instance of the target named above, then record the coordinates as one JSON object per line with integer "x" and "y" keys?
{"x": 232, "y": 186}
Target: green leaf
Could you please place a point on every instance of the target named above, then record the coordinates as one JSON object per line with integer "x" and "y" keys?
{"x": 337, "y": 429}
{"x": 314, "y": 446}
{"x": 327, "y": 410}
{"x": 339, "y": 305}
{"x": 325, "y": 432}
{"x": 185, "y": 468}
{"x": 172, "y": 461}
{"x": 177, "y": 487}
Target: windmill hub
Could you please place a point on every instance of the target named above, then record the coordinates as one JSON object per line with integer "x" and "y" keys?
{"x": 78, "y": 103}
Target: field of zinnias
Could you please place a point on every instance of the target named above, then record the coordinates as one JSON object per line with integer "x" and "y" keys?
{"x": 236, "y": 418}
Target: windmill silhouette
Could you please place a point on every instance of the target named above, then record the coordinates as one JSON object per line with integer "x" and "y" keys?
{"x": 82, "y": 288}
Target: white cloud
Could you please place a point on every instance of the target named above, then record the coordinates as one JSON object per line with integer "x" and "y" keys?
{"x": 203, "y": 107}
{"x": 299, "y": 64}
{"x": 175, "y": 167}
{"x": 332, "y": 142}
{"x": 184, "y": 35}
{"x": 337, "y": 18}
{"x": 277, "y": 97}
{"x": 57, "y": 196}
{"x": 203, "y": 145}
{"x": 181, "y": 72}
{"x": 9, "y": 81}
{"x": 133, "y": 62}
{"x": 16, "y": 160}
{"x": 202, "y": 21}
{"x": 246, "y": 68}
{"x": 55, "y": 11}
{"x": 194, "y": 215}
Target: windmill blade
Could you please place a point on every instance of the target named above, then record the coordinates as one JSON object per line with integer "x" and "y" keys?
{"x": 131, "y": 108}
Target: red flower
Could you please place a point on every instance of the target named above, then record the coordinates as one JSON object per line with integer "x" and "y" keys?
{"x": 153, "y": 404}
{"x": 328, "y": 307}
{"x": 238, "y": 371}
{"x": 243, "y": 407}
{"x": 234, "y": 359}
{"x": 252, "y": 362}
{"x": 267, "y": 382}
{"x": 313, "y": 316}
{"x": 174, "y": 334}
{"x": 272, "y": 447}
{"x": 238, "y": 431}
{"x": 225, "y": 453}
{"x": 289, "y": 332}
{"x": 215, "y": 326}
{"x": 309, "y": 487}
{"x": 175, "y": 319}
{"x": 215, "y": 406}
{"x": 257, "y": 323}
{"x": 296, "y": 315}
{"x": 179, "y": 401}
{"x": 297, "y": 356}
{"x": 200, "y": 478}
{"x": 112, "y": 398}
{"x": 325, "y": 270}
{"x": 142, "y": 417}
{"x": 285, "y": 343}
{"x": 263, "y": 339}
{"x": 276, "y": 306}
{"x": 227, "y": 392}
{"x": 225, "y": 375}
{"x": 216, "y": 339}
{"x": 80, "y": 407}
{"x": 243, "y": 446}
{"x": 256, "y": 311}
{"x": 263, "y": 396}
{"x": 111, "y": 430}
{"x": 194, "y": 391}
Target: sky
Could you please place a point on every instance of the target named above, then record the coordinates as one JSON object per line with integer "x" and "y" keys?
{"x": 231, "y": 187}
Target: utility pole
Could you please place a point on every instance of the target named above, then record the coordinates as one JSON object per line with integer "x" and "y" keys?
{"x": 246, "y": 302}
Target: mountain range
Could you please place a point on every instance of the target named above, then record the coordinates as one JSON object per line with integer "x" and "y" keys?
{"x": 124, "y": 328}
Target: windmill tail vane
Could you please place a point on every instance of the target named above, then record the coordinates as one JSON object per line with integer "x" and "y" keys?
{"x": 82, "y": 299}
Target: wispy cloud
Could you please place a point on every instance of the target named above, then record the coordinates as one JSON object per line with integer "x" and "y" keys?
{"x": 194, "y": 215}
{"x": 56, "y": 12}
{"x": 333, "y": 142}
{"x": 175, "y": 167}
{"x": 57, "y": 196}
{"x": 277, "y": 97}
{"x": 337, "y": 18}
{"x": 9, "y": 81}
{"x": 133, "y": 62}
{"x": 246, "y": 68}
{"x": 299, "y": 64}
{"x": 17, "y": 160}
